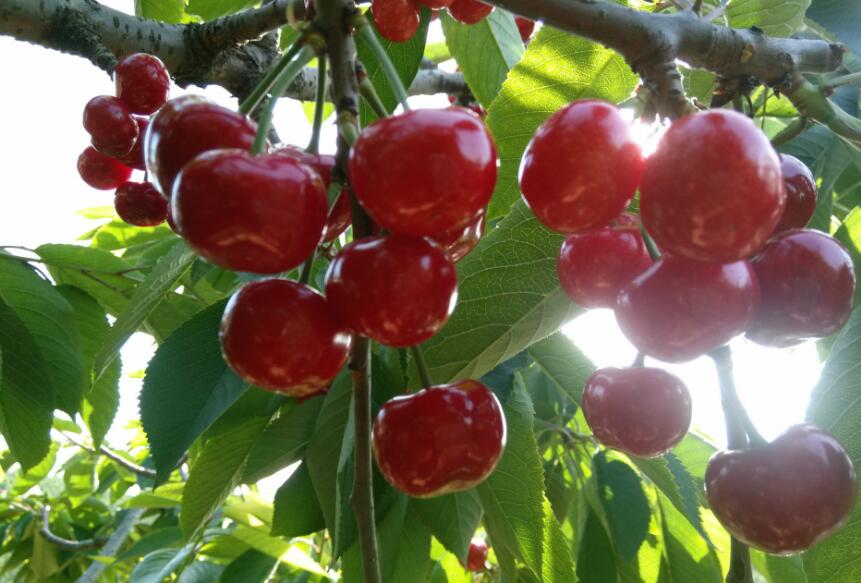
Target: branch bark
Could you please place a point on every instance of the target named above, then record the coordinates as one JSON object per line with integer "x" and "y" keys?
{"x": 64, "y": 543}
{"x": 116, "y": 540}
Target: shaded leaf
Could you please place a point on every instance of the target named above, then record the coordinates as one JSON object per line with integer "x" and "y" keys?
{"x": 620, "y": 492}
{"x": 297, "y": 511}
{"x": 595, "y": 560}
{"x": 252, "y": 566}
{"x": 452, "y": 519}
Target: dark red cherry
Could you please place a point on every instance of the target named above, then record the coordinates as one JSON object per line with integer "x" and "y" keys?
{"x": 140, "y": 204}
{"x": 594, "y": 265}
{"x": 396, "y": 290}
{"x": 111, "y": 125}
{"x": 641, "y": 411}
{"x": 100, "y": 171}
{"x": 524, "y": 27}
{"x": 680, "y": 309}
{"x": 469, "y": 11}
{"x": 801, "y": 191}
{"x": 339, "y": 219}
{"x": 581, "y": 167}
{"x": 396, "y": 20}
{"x": 477, "y": 555}
{"x": 425, "y": 171}
{"x": 786, "y": 496}
{"x": 263, "y": 214}
{"x": 457, "y": 243}
{"x": 444, "y": 439}
{"x": 435, "y": 4}
{"x": 188, "y": 126}
{"x": 135, "y": 158}
{"x": 281, "y": 336}
{"x": 142, "y": 82}
{"x": 807, "y": 288}
{"x": 713, "y": 189}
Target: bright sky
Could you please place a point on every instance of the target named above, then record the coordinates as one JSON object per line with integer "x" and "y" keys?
{"x": 40, "y": 191}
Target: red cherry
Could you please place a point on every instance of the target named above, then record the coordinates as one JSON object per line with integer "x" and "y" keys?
{"x": 280, "y": 335}
{"x": 594, "y": 265}
{"x": 477, "y": 555}
{"x": 135, "y": 158}
{"x": 627, "y": 219}
{"x": 807, "y": 288}
{"x": 396, "y": 20}
{"x": 524, "y": 27}
{"x": 339, "y": 219}
{"x": 469, "y": 11}
{"x": 581, "y": 168}
{"x": 786, "y": 496}
{"x": 801, "y": 191}
{"x": 142, "y": 82}
{"x": 396, "y": 290}
{"x": 188, "y": 126}
{"x": 425, "y": 171}
{"x": 111, "y": 125}
{"x": 680, "y": 309}
{"x": 140, "y": 204}
{"x": 263, "y": 214}
{"x": 641, "y": 411}
{"x": 457, "y": 243}
{"x": 435, "y": 4}
{"x": 713, "y": 190}
{"x": 444, "y": 439}
{"x": 100, "y": 171}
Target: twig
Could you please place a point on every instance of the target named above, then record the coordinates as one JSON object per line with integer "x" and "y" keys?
{"x": 421, "y": 365}
{"x": 64, "y": 543}
{"x": 112, "y": 546}
{"x": 120, "y": 460}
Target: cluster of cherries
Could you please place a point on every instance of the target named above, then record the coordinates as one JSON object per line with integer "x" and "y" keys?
{"x": 117, "y": 126}
{"x": 725, "y": 214}
{"x": 398, "y": 20}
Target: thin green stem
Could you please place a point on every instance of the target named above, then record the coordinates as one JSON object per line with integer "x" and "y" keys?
{"x": 249, "y": 103}
{"x": 422, "y": 366}
{"x": 852, "y": 78}
{"x": 651, "y": 247}
{"x": 319, "y": 103}
{"x": 639, "y": 361}
{"x": 372, "y": 98}
{"x": 305, "y": 276}
{"x": 790, "y": 132}
{"x": 306, "y": 53}
{"x": 367, "y": 35}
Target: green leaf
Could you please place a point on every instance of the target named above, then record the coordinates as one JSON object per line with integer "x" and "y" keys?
{"x": 835, "y": 407}
{"x": 390, "y": 530}
{"x": 840, "y": 17}
{"x": 508, "y": 298}
{"x": 158, "y": 565}
{"x": 485, "y": 52}
{"x": 201, "y": 572}
{"x": 620, "y": 492}
{"x": 118, "y": 235}
{"x": 51, "y": 323}
{"x": 297, "y": 511}
{"x": 556, "y": 69}
{"x": 209, "y": 9}
{"x": 187, "y": 386}
{"x": 216, "y": 472}
{"x": 163, "y": 278}
{"x": 688, "y": 557}
{"x": 849, "y": 234}
{"x": 557, "y": 564}
{"x": 775, "y": 17}
{"x": 288, "y": 554}
{"x": 284, "y": 440}
{"x": 102, "y": 402}
{"x": 596, "y": 562}
{"x": 406, "y": 57}
{"x": 79, "y": 478}
{"x": 452, "y": 519}
{"x": 29, "y": 477}
{"x": 414, "y": 545}
{"x": 563, "y": 363}
{"x": 777, "y": 569}
{"x": 153, "y": 541}
{"x": 252, "y": 566}
{"x": 26, "y": 392}
{"x": 171, "y": 11}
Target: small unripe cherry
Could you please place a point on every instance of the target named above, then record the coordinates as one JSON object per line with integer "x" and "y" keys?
{"x": 140, "y": 204}
{"x": 142, "y": 82}
{"x": 477, "y": 555}
{"x": 100, "y": 171}
{"x": 469, "y": 11}
{"x": 111, "y": 126}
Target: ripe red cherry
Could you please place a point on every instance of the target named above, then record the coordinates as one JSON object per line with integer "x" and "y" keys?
{"x": 111, "y": 125}
{"x": 807, "y": 288}
{"x": 142, "y": 82}
{"x": 641, "y": 411}
{"x": 100, "y": 171}
{"x": 469, "y": 11}
{"x": 713, "y": 189}
{"x": 524, "y": 27}
{"x": 800, "y": 194}
{"x": 457, "y": 243}
{"x": 476, "y": 556}
{"x": 594, "y": 265}
{"x": 581, "y": 168}
{"x": 786, "y": 496}
{"x": 396, "y": 20}
{"x": 435, "y": 4}
{"x": 188, "y": 126}
{"x": 680, "y": 309}
{"x": 440, "y": 440}
{"x": 339, "y": 219}
{"x": 135, "y": 158}
{"x": 263, "y": 214}
{"x": 280, "y": 335}
{"x": 425, "y": 171}
{"x": 140, "y": 204}
{"x": 396, "y": 290}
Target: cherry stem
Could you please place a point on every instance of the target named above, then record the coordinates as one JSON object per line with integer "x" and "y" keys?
{"x": 790, "y": 132}
{"x": 319, "y": 105}
{"x": 651, "y": 247}
{"x": 639, "y": 361}
{"x": 372, "y": 98}
{"x": 305, "y": 276}
{"x": 852, "y": 78}
{"x": 249, "y": 103}
{"x": 367, "y": 34}
{"x": 422, "y": 366}
{"x": 306, "y": 53}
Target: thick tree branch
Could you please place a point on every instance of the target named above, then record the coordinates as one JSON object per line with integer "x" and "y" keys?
{"x": 112, "y": 546}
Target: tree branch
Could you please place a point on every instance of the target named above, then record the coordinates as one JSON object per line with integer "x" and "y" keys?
{"x": 64, "y": 543}
{"x": 116, "y": 540}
